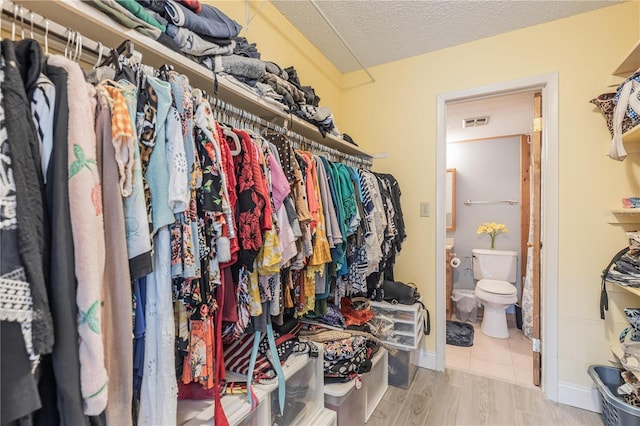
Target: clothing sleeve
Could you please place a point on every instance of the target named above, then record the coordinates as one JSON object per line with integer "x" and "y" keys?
{"x": 176, "y": 164}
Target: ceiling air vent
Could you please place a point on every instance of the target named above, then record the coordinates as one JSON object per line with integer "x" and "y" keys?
{"x": 475, "y": 122}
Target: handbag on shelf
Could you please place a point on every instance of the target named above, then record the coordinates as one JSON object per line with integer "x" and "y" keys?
{"x": 621, "y": 110}
{"x": 605, "y": 103}
{"x": 396, "y": 292}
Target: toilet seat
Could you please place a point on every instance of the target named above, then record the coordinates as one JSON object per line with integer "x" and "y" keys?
{"x": 497, "y": 287}
{"x": 496, "y": 291}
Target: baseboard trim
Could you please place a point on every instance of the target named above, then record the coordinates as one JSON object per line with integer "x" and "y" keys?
{"x": 579, "y": 396}
{"x": 426, "y": 359}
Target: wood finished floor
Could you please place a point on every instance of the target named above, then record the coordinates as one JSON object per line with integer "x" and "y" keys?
{"x": 455, "y": 397}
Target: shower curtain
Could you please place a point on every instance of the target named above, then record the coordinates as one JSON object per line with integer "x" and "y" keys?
{"x": 527, "y": 288}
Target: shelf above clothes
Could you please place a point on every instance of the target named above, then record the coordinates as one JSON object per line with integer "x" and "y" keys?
{"x": 632, "y": 290}
{"x": 90, "y": 22}
{"x": 623, "y": 216}
{"x": 631, "y": 62}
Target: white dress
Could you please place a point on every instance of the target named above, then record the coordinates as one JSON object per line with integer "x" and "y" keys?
{"x": 159, "y": 394}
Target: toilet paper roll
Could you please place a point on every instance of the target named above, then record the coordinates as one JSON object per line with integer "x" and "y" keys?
{"x": 455, "y": 262}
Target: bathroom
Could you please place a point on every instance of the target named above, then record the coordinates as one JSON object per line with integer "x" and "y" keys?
{"x": 487, "y": 145}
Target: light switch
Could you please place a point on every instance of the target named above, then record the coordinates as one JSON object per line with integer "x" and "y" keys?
{"x": 425, "y": 209}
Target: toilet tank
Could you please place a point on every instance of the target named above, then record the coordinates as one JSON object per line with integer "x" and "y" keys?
{"x": 494, "y": 264}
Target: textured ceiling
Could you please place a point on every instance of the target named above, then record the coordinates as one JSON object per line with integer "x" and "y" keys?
{"x": 382, "y": 31}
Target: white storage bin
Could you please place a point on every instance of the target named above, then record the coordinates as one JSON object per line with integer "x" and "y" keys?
{"x": 347, "y": 401}
{"x": 376, "y": 381}
{"x": 304, "y": 396}
{"x": 236, "y": 407}
{"x": 402, "y": 368}
{"x": 325, "y": 417}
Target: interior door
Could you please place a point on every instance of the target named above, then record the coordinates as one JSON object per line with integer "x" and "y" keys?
{"x": 536, "y": 244}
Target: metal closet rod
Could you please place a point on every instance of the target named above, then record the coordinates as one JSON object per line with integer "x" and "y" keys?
{"x": 20, "y": 16}
{"x": 27, "y": 21}
{"x": 247, "y": 117}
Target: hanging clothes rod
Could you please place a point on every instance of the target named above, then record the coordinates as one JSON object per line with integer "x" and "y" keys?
{"x": 299, "y": 141}
{"x": 510, "y": 202}
{"x": 22, "y": 23}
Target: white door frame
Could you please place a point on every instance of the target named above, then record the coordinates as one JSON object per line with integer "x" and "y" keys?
{"x": 548, "y": 85}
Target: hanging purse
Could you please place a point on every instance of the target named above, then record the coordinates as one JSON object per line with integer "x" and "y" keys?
{"x": 604, "y": 297}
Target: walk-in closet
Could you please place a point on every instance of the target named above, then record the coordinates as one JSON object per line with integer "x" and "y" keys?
{"x": 244, "y": 212}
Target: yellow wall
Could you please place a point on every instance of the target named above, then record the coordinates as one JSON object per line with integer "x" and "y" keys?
{"x": 584, "y": 50}
{"x": 397, "y": 114}
{"x": 280, "y": 42}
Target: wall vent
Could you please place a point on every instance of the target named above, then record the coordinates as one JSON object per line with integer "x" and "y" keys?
{"x": 475, "y": 122}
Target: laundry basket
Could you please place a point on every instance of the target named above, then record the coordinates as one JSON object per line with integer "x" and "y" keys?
{"x": 615, "y": 412}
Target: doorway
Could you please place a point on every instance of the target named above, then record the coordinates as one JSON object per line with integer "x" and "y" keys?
{"x": 548, "y": 85}
{"x": 493, "y": 187}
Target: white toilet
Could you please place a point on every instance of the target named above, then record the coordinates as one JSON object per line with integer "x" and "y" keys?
{"x": 495, "y": 271}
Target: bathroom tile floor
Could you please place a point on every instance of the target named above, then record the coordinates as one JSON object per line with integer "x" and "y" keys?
{"x": 509, "y": 359}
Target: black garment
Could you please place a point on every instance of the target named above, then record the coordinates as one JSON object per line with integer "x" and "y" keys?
{"x": 65, "y": 357}
{"x": 398, "y": 217}
{"x": 23, "y": 64}
{"x": 309, "y": 93}
{"x": 349, "y": 139}
{"x": 19, "y": 393}
{"x": 244, "y": 48}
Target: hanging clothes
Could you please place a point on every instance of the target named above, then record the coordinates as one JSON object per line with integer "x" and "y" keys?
{"x": 113, "y": 122}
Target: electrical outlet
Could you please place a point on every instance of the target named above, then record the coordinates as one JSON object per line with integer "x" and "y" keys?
{"x": 425, "y": 209}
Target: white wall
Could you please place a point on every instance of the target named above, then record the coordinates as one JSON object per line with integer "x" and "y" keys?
{"x": 508, "y": 115}
{"x": 486, "y": 170}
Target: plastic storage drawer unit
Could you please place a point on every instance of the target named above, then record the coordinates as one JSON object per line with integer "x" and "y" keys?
{"x": 615, "y": 412}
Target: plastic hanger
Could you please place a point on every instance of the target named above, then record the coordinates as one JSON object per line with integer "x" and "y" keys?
{"x": 13, "y": 22}
{"x": 99, "y": 55}
{"x": 1, "y": 10}
{"x": 227, "y": 132}
{"x": 78, "y": 48}
{"x": 46, "y": 37}
{"x": 21, "y": 23}
{"x": 125, "y": 49}
{"x": 69, "y": 40}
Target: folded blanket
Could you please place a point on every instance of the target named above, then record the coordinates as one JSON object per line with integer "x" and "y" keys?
{"x": 191, "y": 43}
{"x": 246, "y": 67}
